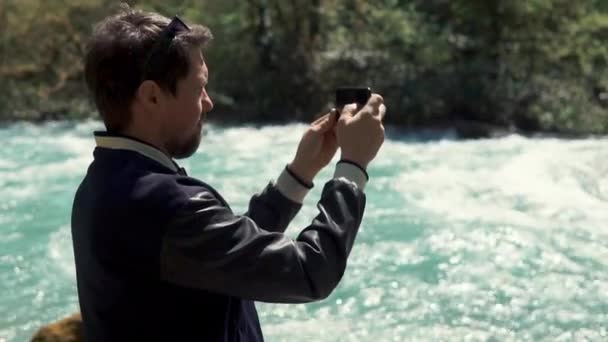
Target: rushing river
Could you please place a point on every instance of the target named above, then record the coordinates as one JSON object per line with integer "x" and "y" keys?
{"x": 487, "y": 240}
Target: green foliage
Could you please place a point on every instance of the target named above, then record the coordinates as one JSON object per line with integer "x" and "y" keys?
{"x": 535, "y": 65}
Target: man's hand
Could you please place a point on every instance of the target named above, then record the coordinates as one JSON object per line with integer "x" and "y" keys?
{"x": 361, "y": 134}
{"x": 316, "y": 149}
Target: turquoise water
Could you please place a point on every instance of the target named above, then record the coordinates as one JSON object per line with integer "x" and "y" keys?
{"x": 489, "y": 240}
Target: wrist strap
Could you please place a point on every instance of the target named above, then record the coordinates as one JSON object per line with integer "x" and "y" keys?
{"x": 303, "y": 183}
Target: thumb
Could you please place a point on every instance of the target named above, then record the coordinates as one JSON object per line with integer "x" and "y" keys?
{"x": 329, "y": 122}
{"x": 349, "y": 110}
{"x": 333, "y": 115}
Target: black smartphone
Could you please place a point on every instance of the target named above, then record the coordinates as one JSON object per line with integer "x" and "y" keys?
{"x": 346, "y": 95}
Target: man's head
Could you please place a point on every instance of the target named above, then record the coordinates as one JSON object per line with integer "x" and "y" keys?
{"x": 148, "y": 77}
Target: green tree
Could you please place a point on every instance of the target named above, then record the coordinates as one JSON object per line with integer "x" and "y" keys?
{"x": 535, "y": 65}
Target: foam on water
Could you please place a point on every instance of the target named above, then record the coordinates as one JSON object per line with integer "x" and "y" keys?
{"x": 491, "y": 240}
{"x": 60, "y": 251}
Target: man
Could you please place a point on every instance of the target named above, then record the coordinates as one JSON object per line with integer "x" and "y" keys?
{"x": 160, "y": 255}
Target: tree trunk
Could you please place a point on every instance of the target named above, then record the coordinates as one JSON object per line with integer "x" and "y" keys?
{"x": 264, "y": 37}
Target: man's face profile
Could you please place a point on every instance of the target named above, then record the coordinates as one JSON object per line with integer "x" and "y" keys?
{"x": 186, "y": 111}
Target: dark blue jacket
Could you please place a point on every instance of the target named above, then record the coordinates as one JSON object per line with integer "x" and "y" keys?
{"x": 161, "y": 256}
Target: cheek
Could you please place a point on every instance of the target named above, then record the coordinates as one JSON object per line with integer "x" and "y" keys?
{"x": 194, "y": 106}
{"x": 191, "y": 110}
{"x": 199, "y": 106}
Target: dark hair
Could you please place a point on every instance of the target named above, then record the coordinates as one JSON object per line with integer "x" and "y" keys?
{"x": 117, "y": 52}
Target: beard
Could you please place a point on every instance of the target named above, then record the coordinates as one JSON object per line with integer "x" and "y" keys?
{"x": 180, "y": 147}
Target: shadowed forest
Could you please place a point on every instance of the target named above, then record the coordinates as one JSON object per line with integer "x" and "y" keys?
{"x": 536, "y": 65}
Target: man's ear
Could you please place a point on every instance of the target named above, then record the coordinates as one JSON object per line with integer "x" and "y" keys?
{"x": 149, "y": 95}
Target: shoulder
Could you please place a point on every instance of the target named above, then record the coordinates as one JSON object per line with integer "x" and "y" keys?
{"x": 170, "y": 191}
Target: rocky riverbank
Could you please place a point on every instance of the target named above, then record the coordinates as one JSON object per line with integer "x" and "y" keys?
{"x": 68, "y": 329}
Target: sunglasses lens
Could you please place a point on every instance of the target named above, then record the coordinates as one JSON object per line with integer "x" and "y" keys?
{"x": 176, "y": 25}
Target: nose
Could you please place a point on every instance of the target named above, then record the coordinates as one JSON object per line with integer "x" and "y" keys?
{"x": 207, "y": 103}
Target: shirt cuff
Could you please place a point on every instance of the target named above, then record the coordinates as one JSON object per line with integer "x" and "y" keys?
{"x": 352, "y": 173}
{"x": 291, "y": 187}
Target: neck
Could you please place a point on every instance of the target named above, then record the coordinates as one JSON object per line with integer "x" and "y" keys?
{"x": 147, "y": 135}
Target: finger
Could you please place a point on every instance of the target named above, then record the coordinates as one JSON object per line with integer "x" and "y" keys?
{"x": 331, "y": 138}
{"x": 321, "y": 118}
{"x": 372, "y": 107}
{"x": 318, "y": 126}
{"x": 349, "y": 110}
{"x": 327, "y": 125}
{"x": 381, "y": 112}
{"x": 327, "y": 119}
{"x": 333, "y": 115}
{"x": 375, "y": 100}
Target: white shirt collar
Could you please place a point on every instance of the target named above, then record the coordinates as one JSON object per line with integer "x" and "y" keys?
{"x": 116, "y": 142}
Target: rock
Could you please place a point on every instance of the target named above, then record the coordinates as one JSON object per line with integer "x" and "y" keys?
{"x": 68, "y": 329}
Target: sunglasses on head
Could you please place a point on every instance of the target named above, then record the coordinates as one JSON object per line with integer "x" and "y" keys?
{"x": 157, "y": 58}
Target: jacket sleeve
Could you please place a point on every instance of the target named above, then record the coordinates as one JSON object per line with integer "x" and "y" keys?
{"x": 207, "y": 247}
{"x": 276, "y": 206}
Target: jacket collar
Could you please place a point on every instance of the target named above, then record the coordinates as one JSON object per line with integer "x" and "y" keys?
{"x": 123, "y": 142}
